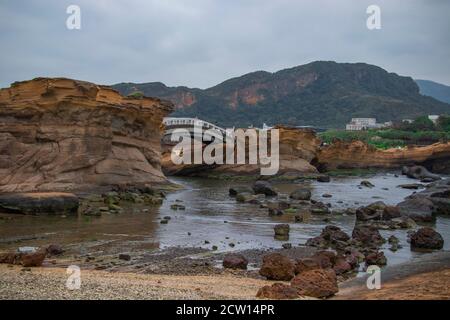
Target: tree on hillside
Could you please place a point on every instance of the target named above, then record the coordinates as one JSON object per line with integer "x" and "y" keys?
{"x": 443, "y": 123}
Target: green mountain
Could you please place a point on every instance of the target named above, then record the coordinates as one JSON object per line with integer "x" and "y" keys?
{"x": 433, "y": 89}
{"x": 322, "y": 93}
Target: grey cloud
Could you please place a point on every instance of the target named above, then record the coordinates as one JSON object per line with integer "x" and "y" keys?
{"x": 200, "y": 43}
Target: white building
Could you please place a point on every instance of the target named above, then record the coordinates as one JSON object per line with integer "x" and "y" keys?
{"x": 433, "y": 118}
{"x": 363, "y": 124}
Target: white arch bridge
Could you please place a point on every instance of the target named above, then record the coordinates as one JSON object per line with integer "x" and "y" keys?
{"x": 171, "y": 124}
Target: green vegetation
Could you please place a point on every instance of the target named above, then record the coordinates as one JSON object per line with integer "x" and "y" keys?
{"x": 421, "y": 131}
{"x": 324, "y": 94}
{"x": 136, "y": 95}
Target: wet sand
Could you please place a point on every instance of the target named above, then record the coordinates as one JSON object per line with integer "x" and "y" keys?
{"x": 50, "y": 283}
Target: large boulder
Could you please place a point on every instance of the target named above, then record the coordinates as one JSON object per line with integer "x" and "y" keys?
{"x": 367, "y": 235}
{"x": 376, "y": 258}
{"x": 264, "y": 187}
{"x": 29, "y": 259}
{"x": 419, "y": 172}
{"x": 235, "y": 261}
{"x": 49, "y": 203}
{"x": 318, "y": 283}
{"x": 419, "y": 209}
{"x": 427, "y": 238}
{"x": 277, "y": 267}
{"x": 277, "y": 291}
{"x": 334, "y": 233}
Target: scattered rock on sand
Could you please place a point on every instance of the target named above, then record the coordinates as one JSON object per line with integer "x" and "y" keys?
{"x": 54, "y": 250}
{"x": 277, "y": 291}
{"x": 427, "y": 238}
{"x": 277, "y": 267}
{"x": 235, "y": 261}
{"x": 124, "y": 256}
{"x": 318, "y": 283}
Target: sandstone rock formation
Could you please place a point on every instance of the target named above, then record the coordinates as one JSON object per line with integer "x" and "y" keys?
{"x": 60, "y": 134}
{"x": 298, "y": 148}
{"x": 357, "y": 154}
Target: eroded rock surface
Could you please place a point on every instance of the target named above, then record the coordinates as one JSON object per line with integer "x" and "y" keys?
{"x": 62, "y": 134}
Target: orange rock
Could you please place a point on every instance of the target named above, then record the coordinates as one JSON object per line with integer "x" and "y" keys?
{"x": 61, "y": 134}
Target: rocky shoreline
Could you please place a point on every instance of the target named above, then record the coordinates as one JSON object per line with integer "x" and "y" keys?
{"x": 314, "y": 270}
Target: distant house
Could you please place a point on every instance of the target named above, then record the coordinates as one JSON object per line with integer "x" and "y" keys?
{"x": 433, "y": 118}
{"x": 357, "y": 124}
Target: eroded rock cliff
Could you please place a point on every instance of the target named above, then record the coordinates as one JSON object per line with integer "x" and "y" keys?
{"x": 61, "y": 134}
{"x": 357, "y": 154}
{"x": 297, "y": 149}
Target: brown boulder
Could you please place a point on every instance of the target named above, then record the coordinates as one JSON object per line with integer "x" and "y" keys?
{"x": 391, "y": 212}
{"x": 32, "y": 259}
{"x": 318, "y": 283}
{"x": 376, "y": 258}
{"x": 54, "y": 250}
{"x": 277, "y": 267}
{"x": 235, "y": 261}
{"x": 427, "y": 238}
{"x": 277, "y": 291}
{"x": 367, "y": 235}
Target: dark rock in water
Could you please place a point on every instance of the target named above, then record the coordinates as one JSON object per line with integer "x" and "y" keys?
{"x": 391, "y": 212}
{"x": 124, "y": 256}
{"x": 412, "y": 186}
{"x": 419, "y": 172}
{"x": 323, "y": 178}
{"x": 318, "y": 242}
{"x": 54, "y": 250}
{"x": 233, "y": 191}
{"x": 48, "y": 203}
{"x": 369, "y": 236}
{"x": 327, "y": 195}
{"x": 342, "y": 266}
{"x": 235, "y": 261}
{"x": 264, "y": 187}
{"x": 427, "y": 180}
{"x": 376, "y": 258}
{"x": 427, "y": 238}
{"x": 419, "y": 209}
{"x": 177, "y": 207}
{"x": 366, "y": 183}
{"x": 393, "y": 240}
{"x": 276, "y": 266}
{"x": 287, "y": 245}
{"x": 372, "y": 212}
{"x": 282, "y": 229}
{"x": 439, "y": 194}
{"x": 301, "y": 194}
{"x": 318, "y": 283}
{"x": 333, "y": 233}
{"x": 164, "y": 221}
{"x": 276, "y": 207}
{"x": 277, "y": 291}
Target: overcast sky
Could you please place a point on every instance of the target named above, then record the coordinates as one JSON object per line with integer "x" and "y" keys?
{"x": 200, "y": 43}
